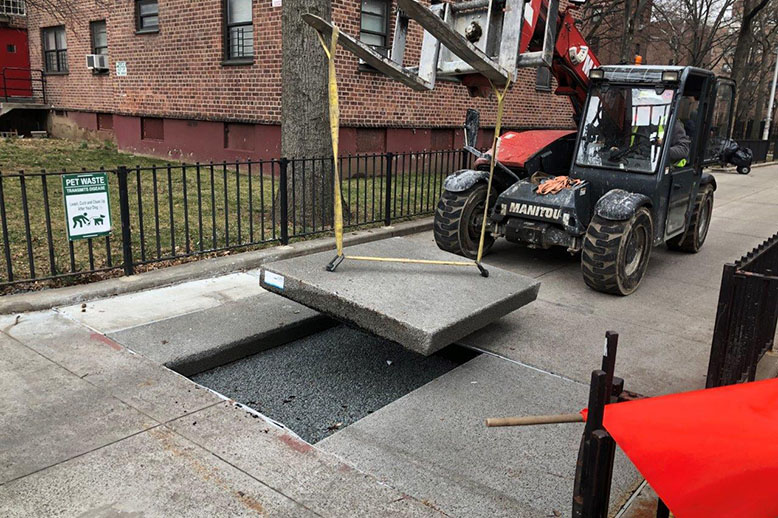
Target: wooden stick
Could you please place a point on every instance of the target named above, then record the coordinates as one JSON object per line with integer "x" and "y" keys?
{"x": 534, "y": 420}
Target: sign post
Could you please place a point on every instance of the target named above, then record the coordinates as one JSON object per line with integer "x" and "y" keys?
{"x": 87, "y": 206}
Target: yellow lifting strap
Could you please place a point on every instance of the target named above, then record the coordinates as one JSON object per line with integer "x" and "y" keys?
{"x": 330, "y": 51}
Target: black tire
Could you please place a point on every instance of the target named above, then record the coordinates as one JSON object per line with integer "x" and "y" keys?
{"x": 615, "y": 254}
{"x": 458, "y": 219}
{"x": 744, "y": 170}
{"x": 692, "y": 240}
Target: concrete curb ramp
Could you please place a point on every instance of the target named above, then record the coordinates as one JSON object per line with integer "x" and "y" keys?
{"x": 422, "y": 307}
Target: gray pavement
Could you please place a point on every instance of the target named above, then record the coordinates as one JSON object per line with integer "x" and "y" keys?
{"x": 91, "y": 428}
{"x": 423, "y": 307}
{"x": 433, "y": 443}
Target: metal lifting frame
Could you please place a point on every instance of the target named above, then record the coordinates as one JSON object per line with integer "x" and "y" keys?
{"x": 493, "y": 53}
{"x": 492, "y": 49}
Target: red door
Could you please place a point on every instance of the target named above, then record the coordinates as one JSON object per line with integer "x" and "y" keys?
{"x": 14, "y": 64}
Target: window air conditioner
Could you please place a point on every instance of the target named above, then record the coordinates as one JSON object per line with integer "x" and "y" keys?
{"x": 97, "y": 62}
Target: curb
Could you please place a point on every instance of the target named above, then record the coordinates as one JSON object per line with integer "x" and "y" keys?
{"x": 733, "y": 170}
{"x": 204, "y": 269}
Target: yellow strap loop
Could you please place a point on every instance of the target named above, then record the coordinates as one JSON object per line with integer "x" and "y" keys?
{"x": 330, "y": 51}
{"x": 497, "y": 128}
{"x": 335, "y": 133}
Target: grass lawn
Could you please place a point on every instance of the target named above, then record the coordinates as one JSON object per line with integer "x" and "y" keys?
{"x": 179, "y": 210}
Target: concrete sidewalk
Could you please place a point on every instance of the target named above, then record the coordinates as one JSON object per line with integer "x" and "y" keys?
{"x": 93, "y": 423}
{"x": 91, "y": 429}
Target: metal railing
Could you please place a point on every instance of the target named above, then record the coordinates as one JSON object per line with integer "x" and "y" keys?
{"x": 746, "y": 317}
{"x": 172, "y": 213}
{"x": 23, "y": 85}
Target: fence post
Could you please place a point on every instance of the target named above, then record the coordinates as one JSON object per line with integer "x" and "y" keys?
{"x": 388, "y": 197}
{"x": 124, "y": 209}
{"x": 464, "y": 158}
{"x": 284, "y": 201}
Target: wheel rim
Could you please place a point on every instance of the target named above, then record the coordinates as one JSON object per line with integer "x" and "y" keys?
{"x": 474, "y": 218}
{"x": 635, "y": 250}
{"x": 704, "y": 224}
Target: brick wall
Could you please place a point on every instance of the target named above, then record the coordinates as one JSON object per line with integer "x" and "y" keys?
{"x": 177, "y": 73}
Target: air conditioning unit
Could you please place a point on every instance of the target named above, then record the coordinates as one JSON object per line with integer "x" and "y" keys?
{"x": 97, "y": 62}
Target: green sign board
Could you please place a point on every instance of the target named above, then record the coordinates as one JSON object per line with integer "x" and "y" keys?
{"x": 87, "y": 207}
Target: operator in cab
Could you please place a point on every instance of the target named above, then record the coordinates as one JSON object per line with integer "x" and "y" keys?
{"x": 680, "y": 145}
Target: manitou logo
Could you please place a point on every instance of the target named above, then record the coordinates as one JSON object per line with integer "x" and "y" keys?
{"x": 536, "y": 211}
{"x": 581, "y": 55}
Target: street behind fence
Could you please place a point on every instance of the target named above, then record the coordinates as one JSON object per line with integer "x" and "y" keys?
{"x": 175, "y": 212}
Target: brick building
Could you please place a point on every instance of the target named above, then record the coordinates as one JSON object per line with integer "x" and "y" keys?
{"x": 200, "y": 80}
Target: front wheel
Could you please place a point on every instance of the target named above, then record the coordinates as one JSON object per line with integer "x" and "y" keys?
{"x": 458, "y": 220}
{"x": 615, "y": 254}
{"x": 692, "y": 240}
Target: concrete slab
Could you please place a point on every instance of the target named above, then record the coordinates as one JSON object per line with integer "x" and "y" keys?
{"x": 422, "y": 307}
{"x": 140, "y": 383}
{"x": 705, "y": 267}
{"x": 652, "y": 362}
{"x": 315, "y": 479}
{"x": 673, "y": 307}
{"x": 202, "y": 340}
{"x": 748, "y": 211}
{"x": 153, "y": 474}
{"x": 48, "y": 415}
{"x": 758, "y": 228}
{"x": 433, "y": 444}
{"x": 116, "y": 313}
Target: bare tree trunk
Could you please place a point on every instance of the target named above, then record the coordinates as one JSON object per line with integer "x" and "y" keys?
{"x": 742, "y": 49}
{"x": 305, "y": 130}
{"x": 632, "y": 17}
{"x": 626, "y": 35}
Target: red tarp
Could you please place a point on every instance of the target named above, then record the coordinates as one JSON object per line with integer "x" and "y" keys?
{"x": 709, "y": 453}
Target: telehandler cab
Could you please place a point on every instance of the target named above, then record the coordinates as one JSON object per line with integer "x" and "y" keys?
{"x": 629, "y": 191}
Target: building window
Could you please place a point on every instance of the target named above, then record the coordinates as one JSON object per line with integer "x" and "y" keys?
{"x": 375, "y": 25}
{"x": 55, "y": 50}
{"x": 99, "y": 37}
{"x": 543, "y": 79}
{"x": 147, "y": 15}
{"x": 239, "y": 30}
{"x": 12, "y": 7}
{"x": 152, "y": 129}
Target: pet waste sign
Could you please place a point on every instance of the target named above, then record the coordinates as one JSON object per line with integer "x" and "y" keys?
{"x": 87, "y": 207}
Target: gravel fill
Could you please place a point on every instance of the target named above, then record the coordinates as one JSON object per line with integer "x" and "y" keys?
{"x": 327, "y": 381}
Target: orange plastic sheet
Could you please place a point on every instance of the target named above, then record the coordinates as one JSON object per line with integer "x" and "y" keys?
{"x": 708, "y": 454}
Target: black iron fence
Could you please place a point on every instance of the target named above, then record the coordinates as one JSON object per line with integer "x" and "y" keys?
{"x": 175, "y": 212}
{"x": 746, "y": 317}
{"x": 23, "y": 84}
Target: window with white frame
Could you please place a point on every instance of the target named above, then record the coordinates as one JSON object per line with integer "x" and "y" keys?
{"x": 12, "y": 7}
{"x": 239, "y": 30}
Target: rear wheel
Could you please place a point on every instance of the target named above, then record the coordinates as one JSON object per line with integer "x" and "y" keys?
{"x": 692, "y": 240}
{"x": 458, "y": 220}
{"x": 615, "y": 253}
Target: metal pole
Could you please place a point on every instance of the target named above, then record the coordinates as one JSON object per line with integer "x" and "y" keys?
{"x": 769, "y": 120}
{"x": 388, "y": 197}
{"x": 124, "y": 210}
{"x": 283, "y": 200}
